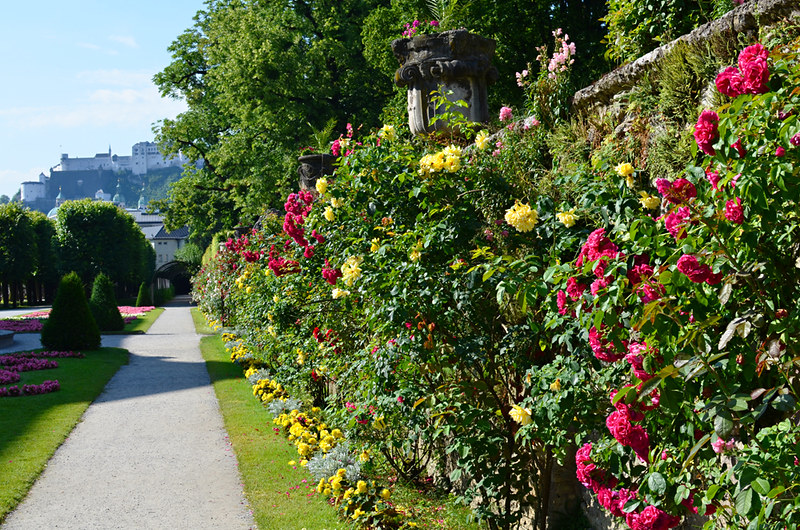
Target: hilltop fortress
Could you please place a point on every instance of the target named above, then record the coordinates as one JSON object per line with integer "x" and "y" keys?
{"x": 82, "y": 177}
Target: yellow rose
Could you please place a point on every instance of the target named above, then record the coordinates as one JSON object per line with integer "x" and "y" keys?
{"x": 329, "y": 215}
{"x": 651, "y": 202}
{"x": 555, "y": 386}
{"x": 624, "y": 170}
{"x": 361, "y": 486}
{"x": 376, "y": 245}
{"x": 522, "y": 217}
{"x": 482, "y": 140}
{"x": 520, "y": 415}
{"x": 567, "y": 218}
{"x": 385, "y": 494}
{"x": 322, "y": 186}
{"x": 388, "y": 133}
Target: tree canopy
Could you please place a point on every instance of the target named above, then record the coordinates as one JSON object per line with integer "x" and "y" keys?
{"x": 95, "y": 237}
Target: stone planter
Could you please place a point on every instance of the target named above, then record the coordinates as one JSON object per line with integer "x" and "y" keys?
{"x": 313, "y": 167}
{"x": 452, "y": 61}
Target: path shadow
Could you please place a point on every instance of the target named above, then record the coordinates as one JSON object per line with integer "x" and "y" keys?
{"x": 144, "y": 376}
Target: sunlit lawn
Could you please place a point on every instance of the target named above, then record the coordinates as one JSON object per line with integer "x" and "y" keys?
{"x": 33, "y": 427}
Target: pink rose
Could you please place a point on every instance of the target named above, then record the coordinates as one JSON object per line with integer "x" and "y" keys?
{"x": 729, "y": 82}
{"x": 755, "y": 76}
{"x": 688, "y": 265}
{"x": 505, "y": 113}
{"x": 574, "y": 289}
{"x": 780, "y": 151}
{"x": 706, "y": 132}
{"x": 795, "y": 140}
{"x": 713, "y": 178}
{"x": 738, "y": 146}
{"x": 600, "y": 284}
{"x": 734, "y": 212}
{"x": 561, "y": 302}
{"x": 752, "y": 53}
{"x": 677, "y": 192}
{"x": 603, "y": 349}
{"x": 651, "y": 518}
{"x": 676, "y": 222}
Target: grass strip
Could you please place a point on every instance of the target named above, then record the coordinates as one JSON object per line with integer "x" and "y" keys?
{"x": 143, "y": 323}
{"x": 200, "y": 324}
{"x": 281, "y": 496}
{"x": 33, "y": 427}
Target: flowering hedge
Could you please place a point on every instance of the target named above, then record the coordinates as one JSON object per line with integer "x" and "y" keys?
{"x": 452, "y": 301}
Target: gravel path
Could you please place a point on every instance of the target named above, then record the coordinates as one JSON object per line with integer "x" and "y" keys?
{"x": 151, "y": 452}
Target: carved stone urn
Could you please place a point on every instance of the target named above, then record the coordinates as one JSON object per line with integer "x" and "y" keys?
{"x": 313, "y": 167}
{"x": 456, "y": 64}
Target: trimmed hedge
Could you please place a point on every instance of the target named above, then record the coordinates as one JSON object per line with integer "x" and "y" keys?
{"x": 103, "y": 305}
{"x": 71, "y": 325}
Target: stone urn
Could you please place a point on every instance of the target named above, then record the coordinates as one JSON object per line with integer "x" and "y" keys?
{"x": 314, "y": 166}
{"x": 456, "y": 64}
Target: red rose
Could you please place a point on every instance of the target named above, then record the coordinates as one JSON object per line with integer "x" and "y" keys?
{"x": 755, "y": 76}
{"x": 734, "y": 212}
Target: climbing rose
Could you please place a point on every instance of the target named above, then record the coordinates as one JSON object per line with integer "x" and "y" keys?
{"x": 574, "y": 289}
{"x": 696, "y": 272}
{"x": 677, "y": 192}
{"x": 755, "y": 72}
{"x": 706, "y": 132}
{"x": 651, "y": 518}
{"x": 522, "y": 217}
{"x": 729, "y": 82}
{"x": 713, "y": 178}
{"x": 597, "y": 246}
{"x": 733, "y": 211}
{"x": 603, "y": 349}
{"x": 676, "y": 222}
{"x": 739, "y": 148}
{"x": 561, "y": 302}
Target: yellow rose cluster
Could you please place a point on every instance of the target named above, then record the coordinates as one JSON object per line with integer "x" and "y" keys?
{"x": 267, "y": 390}
{"x": 351, "y": 270}
{"x": 567, "y": 218}
{"x": 363, "y": 502}
{"x": 522, "y": 217}
{"x": 308, "y": 433}
{"x": 448, "y": 159}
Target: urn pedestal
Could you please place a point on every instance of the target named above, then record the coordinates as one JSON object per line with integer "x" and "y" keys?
{"x": 313, "y": 167}
{"x": 456, "y": 64}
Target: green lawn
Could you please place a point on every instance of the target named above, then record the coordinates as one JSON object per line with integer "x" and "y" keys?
{"x": 281, "y": 497}
{"x": 143, "y": 323}
{"x": 200, "y": 324}
{"x": 32, "y": 427}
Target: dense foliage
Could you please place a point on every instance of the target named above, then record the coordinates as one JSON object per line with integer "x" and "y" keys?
{"x": 547, "y": 290}
{"x": 95, "y": 237}
{"x": 70, "y": 325}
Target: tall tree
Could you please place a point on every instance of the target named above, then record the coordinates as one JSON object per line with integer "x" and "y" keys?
{"x": 45, "y": 277}
{"x": 95, "y": 237}
{"x": 18, "y": 249}
{"x": 254, "y": 73}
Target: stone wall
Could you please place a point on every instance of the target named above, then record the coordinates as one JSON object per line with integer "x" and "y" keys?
{"x": 746, "y": 20}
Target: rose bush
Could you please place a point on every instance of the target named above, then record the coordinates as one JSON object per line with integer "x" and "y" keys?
{"x": 436, "y": 298}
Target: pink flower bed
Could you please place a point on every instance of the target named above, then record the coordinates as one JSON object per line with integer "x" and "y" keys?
{"x": 14, "y": 363}
{"x": 32, "y": 322}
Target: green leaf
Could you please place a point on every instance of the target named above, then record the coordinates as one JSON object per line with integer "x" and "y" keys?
{"x": 700, "y": 443}
{"x": 774, "y": 492}
{"x": 711, "y": 492}
{"x": 761, "y": 486}
{"x": 657, "y": 483}
{"x": 747, "y": 502}
{"x": 723, "y": 424}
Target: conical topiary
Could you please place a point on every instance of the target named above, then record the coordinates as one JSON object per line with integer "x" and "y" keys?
{"x": 71, "y": 325}
{"x": 103, "y": 305}
{"x": 144, "y": 296}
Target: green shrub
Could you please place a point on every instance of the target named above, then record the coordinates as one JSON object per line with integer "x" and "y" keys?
{"x": 103, "y": 305}
{"x": 71, "y": 325}
{"x": 143, "y": 299}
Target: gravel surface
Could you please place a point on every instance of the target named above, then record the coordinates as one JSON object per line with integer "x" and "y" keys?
{"x": 151, "y": 452}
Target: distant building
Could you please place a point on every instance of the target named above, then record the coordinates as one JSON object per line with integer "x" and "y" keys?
{"x": 34, "y": 190}
{"x": 144, "y": 157}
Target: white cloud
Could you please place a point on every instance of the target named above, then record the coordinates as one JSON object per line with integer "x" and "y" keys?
{"x": 115, "y": 77}
{"x": 125, "y": 40}
{"x": 125, "y": 107}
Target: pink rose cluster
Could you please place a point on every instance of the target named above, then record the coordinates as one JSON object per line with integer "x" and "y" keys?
{"x": 698, "y": 272}
{"x": 620, "y": 425}
{"x": 330, "y": 274}
{"x": 749, "y": 77}
{"x": 613, "y": 500}
{"x": 562, "y": 58}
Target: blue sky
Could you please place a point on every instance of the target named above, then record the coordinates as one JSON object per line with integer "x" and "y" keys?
{"x": 75, "y": 77}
